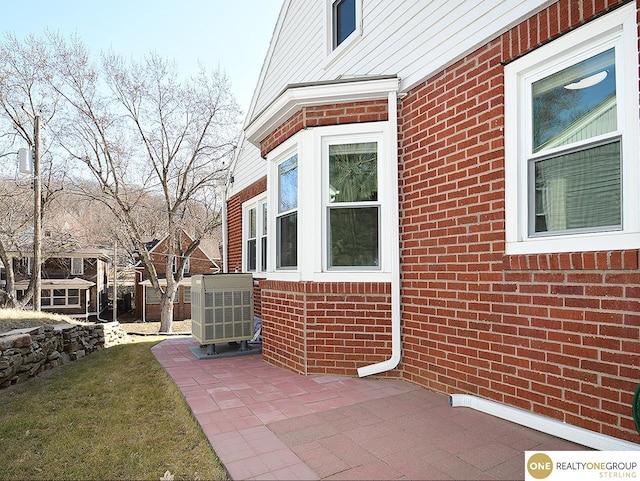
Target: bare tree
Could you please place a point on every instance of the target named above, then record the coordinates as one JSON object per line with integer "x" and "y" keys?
{"x": 141, "y": 131}
{"x": 24, "y": 94}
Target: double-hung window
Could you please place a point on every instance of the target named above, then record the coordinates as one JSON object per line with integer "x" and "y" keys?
{"x": 255, "y": 235}
{"x": 176, "y": 262}
{"x": 352, "y": 205}
{"x": 572, "y": 162}
{"x": 287, "y": 214}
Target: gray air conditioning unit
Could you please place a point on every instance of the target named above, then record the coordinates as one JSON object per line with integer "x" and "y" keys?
{"x": 221, "y": 309}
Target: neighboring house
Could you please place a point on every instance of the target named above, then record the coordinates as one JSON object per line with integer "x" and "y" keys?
{"x": 447, "y": 193}
{"x": 147, "y": 301}
{"x": 73, "y": 282}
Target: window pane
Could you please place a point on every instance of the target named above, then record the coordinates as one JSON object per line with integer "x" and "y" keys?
{"x": 264, "y": 219}
{"x": 353, "y": 237}
{"x": 76, "y": 265}
{"x": 576, "y": 103}
{"x": 73, "y": 300}
{"x": 263, "y": 254}
{"x": 353, "y": 172}
{"x": 344, "y": 18}
{"x": 288, "y": 184}
{"x": 287, "y": 235}
{"x": 251, "y": 255}
{"x": 580, "y": 190}
{"x": 252, "y": 222}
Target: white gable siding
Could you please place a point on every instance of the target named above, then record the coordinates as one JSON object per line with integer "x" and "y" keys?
{"x": 247, "y": 168}
{"x": 411, "y": 39}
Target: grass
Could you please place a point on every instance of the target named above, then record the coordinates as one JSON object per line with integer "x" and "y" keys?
{"x": 112, "y": 415}
{"x": 17, "y": 319}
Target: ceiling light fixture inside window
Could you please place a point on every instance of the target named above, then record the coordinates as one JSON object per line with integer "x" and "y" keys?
{"x": 589, "y": 81}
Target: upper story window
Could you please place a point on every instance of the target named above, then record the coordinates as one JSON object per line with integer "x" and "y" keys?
{"x": 353, "y": 208}
{"x": 77, "y": 266}
{"x": 344, "y": 19}
{"x": 572, "y": 162}
{"x": 176, "y": 262}
{"x": 287, "y": 214}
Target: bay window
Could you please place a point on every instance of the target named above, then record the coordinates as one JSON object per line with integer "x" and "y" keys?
{"x": 333, "y": 198}
{"x": 572, "y": 141}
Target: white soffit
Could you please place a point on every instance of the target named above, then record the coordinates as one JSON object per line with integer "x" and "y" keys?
{"x": 297, "y": 96}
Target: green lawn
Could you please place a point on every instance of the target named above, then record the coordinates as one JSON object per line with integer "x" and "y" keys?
{"x": 112, "y": 415}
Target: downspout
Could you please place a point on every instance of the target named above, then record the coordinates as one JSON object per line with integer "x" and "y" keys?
{"x": 394, "y": 245}
{"x": 225, "y": 235}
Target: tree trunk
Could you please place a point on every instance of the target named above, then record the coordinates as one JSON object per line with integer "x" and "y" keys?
{"x": 166, "y": 314}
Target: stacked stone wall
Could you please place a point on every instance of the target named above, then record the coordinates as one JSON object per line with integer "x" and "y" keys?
{"x": 25, "y": 353}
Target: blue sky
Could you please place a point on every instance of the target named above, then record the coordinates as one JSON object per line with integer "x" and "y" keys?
{"x": 232, "y": 34}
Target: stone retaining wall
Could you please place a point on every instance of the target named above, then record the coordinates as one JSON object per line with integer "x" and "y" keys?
{"x": 24, "y": 353}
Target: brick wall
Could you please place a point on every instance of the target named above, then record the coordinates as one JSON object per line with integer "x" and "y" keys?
{"x": 325, "y": 328}
{"x": 554, "y": 334}
{"x": 332, "y": 114}
{"x": 234, "y": 222}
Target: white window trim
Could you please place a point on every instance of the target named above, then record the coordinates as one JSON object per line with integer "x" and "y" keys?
{"x": 334, "y": 53}
{"x": 66, "y": 297}
{"x": 349, "y": 138}
{"x": 76, "y": 272}
{"x": 619, "y": 27}
{"x": 312, "y": 239}
{"x": 254, "y": 203}
{"x": 285, "y": 152}
{"x": 176, "y": 260}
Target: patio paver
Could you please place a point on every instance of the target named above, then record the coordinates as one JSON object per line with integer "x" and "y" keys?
{"x": 268, "y": 423}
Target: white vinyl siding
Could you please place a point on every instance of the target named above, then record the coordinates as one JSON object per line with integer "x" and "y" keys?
{"x": 410, "y": 39}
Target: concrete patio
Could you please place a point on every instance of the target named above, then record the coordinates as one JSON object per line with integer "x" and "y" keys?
{"x": 267, "y": 423}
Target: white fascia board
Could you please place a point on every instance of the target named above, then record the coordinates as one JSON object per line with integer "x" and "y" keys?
{"x": 298, "y": 96}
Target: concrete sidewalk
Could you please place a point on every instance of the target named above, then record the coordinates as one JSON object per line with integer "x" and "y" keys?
{"x": 268, "y": 423}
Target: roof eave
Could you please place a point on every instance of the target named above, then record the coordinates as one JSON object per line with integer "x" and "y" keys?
{"x": 296, "y": 96}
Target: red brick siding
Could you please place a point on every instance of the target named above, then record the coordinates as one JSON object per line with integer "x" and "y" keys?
{"x": 325, "y": 328}
{"x": 234, "y": 222}
{"x": 333, "y": 114}
{"x": 555, "y": 334}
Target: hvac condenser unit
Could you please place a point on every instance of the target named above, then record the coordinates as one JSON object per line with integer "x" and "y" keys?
{"x": 221, "y": 308}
